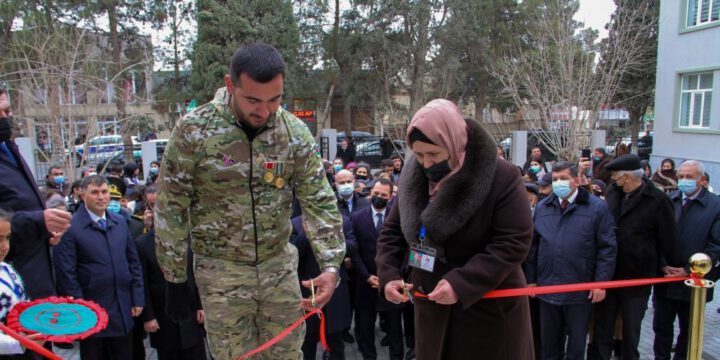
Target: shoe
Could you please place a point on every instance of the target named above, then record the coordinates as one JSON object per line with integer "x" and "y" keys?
{"x": 410, "y": 354}
{"x": 384, "y": 341}
{"x": 347, "y": 337}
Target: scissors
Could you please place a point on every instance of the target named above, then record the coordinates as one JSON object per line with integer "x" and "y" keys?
{"x": 312, "y": 294}
{"x": 406, "y": 291}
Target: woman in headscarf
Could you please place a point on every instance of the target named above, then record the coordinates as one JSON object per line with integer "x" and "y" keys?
{"x": 665, "y": 177}
{"x": 462, "y": 222}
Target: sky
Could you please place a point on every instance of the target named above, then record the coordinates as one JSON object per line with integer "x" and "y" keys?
{"x": 595, "y": 14}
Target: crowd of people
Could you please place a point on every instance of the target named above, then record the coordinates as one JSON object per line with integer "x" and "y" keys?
{"x": 261, "y": 232}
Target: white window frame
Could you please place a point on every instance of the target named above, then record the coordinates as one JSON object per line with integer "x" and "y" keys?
{"x": 697, "y": 14}
{"x": 703, "y": 92}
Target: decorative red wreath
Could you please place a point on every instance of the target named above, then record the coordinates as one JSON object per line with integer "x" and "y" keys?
{"x": 59, "y": 319}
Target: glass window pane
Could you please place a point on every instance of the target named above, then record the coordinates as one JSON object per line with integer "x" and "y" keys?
{"x": 705, "y": 11}
{"x": 692, "y": 82}
{"x": 697, "y": 109}
{"x": 706, "y": 109}
{"x": 715, "y": 10}
{"x": 685, "y": 109}
{"x": 691, "y": 12}
{"x": 706, "y": 80}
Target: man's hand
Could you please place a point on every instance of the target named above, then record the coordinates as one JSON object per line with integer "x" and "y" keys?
{"x": 56, "y": 221}
{"x": 443, "y": 293}
{"x": 325, "y": 286}
{"x": 596, "y": 295}
{"x": 151, "y": 326}
{"x": 583, "y": 165}
{"x": 136, "y": 310}
{"x": 394, "y": 291}
{"x": 148, "y": 219}
{"x": 55, "y": 239}
{"x": 373, "y": 281}
{"x": 671, "y": 271}
{"x": 200, "y": 316}
{"x": 348, "y": 263}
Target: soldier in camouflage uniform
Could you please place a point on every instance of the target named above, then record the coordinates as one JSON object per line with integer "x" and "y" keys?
{"x": 226, "y": 186}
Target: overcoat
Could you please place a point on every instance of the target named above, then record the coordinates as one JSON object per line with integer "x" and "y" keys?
{"x": 480, "y": 222}
{"x": 30, "y": 251}
{"x": 101, "y": 265}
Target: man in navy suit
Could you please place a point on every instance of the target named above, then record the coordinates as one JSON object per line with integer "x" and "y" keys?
{"x": 34, "y": 228}
{"x": 337, "y": 311}
{"x": 366, "y": 225}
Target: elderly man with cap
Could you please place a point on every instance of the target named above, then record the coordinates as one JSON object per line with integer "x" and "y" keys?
{"x": 645, "y": 229}
{"x": 545, "y": 186}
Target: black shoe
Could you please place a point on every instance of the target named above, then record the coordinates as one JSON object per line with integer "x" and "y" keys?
{"x": 63, "y": 345}
{"x": 347, "y": 337}
{"x": 384, "y": 341}
{"x": 410, "y": 354}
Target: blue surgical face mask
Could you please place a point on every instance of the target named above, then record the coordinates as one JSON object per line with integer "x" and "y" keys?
{"x": 346, "y": 190}
{"x": 114, "y": 206}
{"x": 59, "y": 179}
{"x": 687, "y": 186}
{"x": 337, "y": 167}
{"x": 561, "y": 188}
{"x": 154, "y": 171}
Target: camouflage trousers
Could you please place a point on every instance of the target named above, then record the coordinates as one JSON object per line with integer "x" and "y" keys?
{"x": 247, "y": 305}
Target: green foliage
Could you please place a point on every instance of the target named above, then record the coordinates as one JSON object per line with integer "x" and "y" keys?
{"x": 223, "y": 26}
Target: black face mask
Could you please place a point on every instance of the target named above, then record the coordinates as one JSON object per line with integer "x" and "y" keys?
{"x": 438, "y": 171}
{"x": 361, "y": 177}
{"x": 5, "y": 128}
{"x": 378, "y": 202}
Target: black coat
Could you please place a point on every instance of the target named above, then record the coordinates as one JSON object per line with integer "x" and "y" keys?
{"x": 363, "y": 225}
{"x": 359, "y": 203}
{"x": 699, "y": 231}
{"x": 30, "y": 251}
{"x": 171, "y": 335}
{"x": 102, "y": 266}
{"x": 347, "y": 155}
{"x": 337, "y": 310}
{"x": 644, "y": 232}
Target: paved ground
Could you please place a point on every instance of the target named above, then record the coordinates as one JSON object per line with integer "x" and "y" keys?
{"x": 711, "y": 342}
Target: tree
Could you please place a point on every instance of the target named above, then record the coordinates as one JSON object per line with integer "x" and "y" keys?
{"x": 223, "y": 26}
{"x": 636, "y": 88}
{"x": 554, "y": 82}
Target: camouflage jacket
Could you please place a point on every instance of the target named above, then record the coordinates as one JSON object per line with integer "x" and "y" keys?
{"x": 233, "y": 198}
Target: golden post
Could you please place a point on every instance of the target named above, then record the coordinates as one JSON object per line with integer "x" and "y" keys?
{"x": 700, "y": 265}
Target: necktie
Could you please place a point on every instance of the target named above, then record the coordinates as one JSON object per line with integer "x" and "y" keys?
{"x": 8, "y": 153}
{"x": 102, "y": 223}
{"x": 685, "y": 206}
{"x": 563, "y": 205}
{"x": 379, "y": 222}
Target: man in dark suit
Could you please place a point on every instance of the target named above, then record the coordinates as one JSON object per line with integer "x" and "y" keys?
{"x": 697, "y": 212}
{"x": 96, "y": 260}
{"x": 34, "y": 228}
{"x": 366, "y": 225}
{"x": 645, "y": 228}
{"x": 337, "y": 312}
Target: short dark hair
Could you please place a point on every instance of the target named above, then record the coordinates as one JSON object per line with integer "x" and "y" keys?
{"x": 95, "y": 180}
{"x": 51, "y": 168}
{"x": 150, "y": 189}
{"x": 386, "y": 163}
{"x": 386, "y": 182}
{"x": 562, "y": 165}
{"x": 76, "y": 184}
{"x": 262, "y": 62}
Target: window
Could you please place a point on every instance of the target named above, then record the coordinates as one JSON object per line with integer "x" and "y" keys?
{"x": 701, "y": 12}
{"x": 695, "y": 100}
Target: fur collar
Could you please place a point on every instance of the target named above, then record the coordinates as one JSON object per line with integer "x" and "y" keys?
{"x": 460, "y": 197}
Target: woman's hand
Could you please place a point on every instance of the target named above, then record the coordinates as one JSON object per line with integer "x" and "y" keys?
{"x": 443, "y": 293}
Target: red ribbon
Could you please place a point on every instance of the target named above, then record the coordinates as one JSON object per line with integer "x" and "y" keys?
{"x": 287, "y": 331}
{"x": 556, "y": 289}
{"x": 29, "y": 343}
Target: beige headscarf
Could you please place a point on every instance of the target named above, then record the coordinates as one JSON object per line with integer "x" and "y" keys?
{"x": 441, "y": 121}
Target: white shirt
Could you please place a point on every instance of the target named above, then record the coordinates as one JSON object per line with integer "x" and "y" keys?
{"x": 375, "y": 212}
{"x": 572, "y": 197}
{"x": 95, "y": 218}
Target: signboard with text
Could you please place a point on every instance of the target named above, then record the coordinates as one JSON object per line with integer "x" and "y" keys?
{"x": 309, "y": 117}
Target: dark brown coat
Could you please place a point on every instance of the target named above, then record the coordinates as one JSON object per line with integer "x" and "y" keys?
{"x": 481, "y": 219}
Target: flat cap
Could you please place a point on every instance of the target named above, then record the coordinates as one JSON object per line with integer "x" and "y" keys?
{"x": 545, "y": 180}
{"x": 624, "y": 162}
{"x": 532, "y": 188}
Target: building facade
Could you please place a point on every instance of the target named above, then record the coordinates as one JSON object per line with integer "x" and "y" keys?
{"x": 687, "y": 102}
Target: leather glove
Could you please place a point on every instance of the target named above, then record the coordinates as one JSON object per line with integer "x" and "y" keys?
{"x": 178, "y": 300}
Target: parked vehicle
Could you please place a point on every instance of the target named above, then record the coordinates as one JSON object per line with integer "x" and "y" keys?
{"x": 371, "y": 152}
{"x": 119, "y": 156}
{"x": 100, "y": 148}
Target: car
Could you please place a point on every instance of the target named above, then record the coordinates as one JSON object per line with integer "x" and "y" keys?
{"x": 371, "y": 152}
{"x": 119, "y": 156}
{"x": 100, "y": 148}
{"x": 356, "y": 135}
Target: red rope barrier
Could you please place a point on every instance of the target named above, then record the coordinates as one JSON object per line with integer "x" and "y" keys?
{"x": 287, "y": 331}
{"x": 29, "y": 343}
{"x": 556, "y": 289}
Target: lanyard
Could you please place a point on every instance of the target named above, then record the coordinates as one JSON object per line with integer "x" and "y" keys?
{"x": 17, "y": 289}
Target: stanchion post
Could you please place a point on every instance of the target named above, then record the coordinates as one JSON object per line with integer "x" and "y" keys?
{"x": 700, "y": 265}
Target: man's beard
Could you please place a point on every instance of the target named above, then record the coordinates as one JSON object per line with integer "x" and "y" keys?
{"x": 244, "y": 121}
